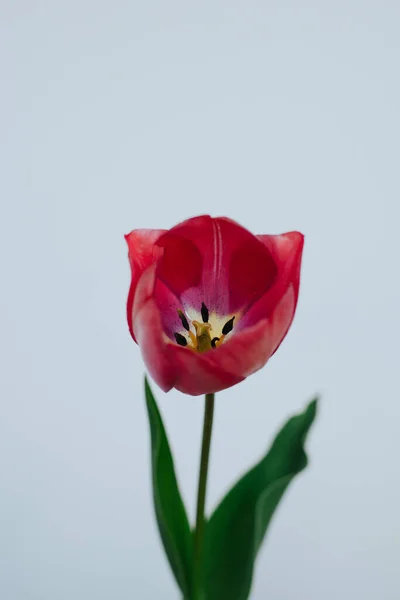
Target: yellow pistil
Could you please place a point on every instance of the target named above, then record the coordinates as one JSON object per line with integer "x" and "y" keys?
{"x": 203, "y": 337}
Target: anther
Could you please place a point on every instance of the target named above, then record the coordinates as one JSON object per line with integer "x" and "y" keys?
{"x": 183, "y": 319}
{"x": 228, "y": 326}
{"x": 204, "y": 313}
{"x": 180, "y": 339}
{"x": 213, "y": 342}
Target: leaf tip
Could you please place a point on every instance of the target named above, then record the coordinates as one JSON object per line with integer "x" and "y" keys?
{"x": 312, "y": 408}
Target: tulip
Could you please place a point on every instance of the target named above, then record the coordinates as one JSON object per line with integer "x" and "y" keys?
{"x": 209, "y": 302}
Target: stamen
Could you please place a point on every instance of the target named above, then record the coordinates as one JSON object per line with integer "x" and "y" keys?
{"x": 205, "y": 315}
{"x": 193, "y": 339}
{"x": 228, "y": 326}
{"x": 180, "y": 339}
{"x": 183, "y": 319}
{"x": 213, "y": 342}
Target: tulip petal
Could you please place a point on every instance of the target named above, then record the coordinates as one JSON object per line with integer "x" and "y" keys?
{"x": 249, "y": 349}
{"x": 153, "y": 345}
{"x": 181, "y": 263}
{"x": 198, "y": 374}
{"x": 215, "y": 261}
{"x": 142, "y": 253}
{"x": 168, "y": 305}
{"x": 193, "y": 373}
{"x": 148, "y": 330}
{"x": 284, "y": 247}
{"x": 245, "y": 353}
{"x": 287, "y": 249}
{"x": 171, "y": 365}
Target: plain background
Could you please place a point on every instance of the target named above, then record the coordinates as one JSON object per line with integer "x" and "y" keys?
{"x": 126, "y": 114}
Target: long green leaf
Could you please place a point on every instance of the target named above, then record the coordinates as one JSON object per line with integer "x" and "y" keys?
{"x": 170, "y": 511}
{"x": 237, "y": 528}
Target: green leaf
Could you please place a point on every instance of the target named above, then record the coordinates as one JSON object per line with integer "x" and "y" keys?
{"x": 237, "y": 528}
{"x": 170, "y": 511}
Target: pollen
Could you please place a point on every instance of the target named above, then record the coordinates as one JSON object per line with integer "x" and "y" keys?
{"x": 227, "y": 328}
{"x": 183, "y": 319}
{"x": 180, "y": 339}
{"x": 205, "y": 314}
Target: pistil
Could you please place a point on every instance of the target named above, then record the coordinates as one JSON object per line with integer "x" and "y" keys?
{"x": 203, "y": 336}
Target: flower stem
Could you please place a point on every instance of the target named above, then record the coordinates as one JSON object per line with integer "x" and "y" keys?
{"x": 201, "y": 493}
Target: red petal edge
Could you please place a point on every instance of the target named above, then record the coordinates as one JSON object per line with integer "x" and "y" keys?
{"x": 142, "y": 254}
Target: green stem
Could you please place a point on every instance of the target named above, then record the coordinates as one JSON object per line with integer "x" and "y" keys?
{"x": 201, "y": 493}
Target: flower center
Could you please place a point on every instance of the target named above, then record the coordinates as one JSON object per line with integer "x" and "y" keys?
{"x": 201, "y": 339}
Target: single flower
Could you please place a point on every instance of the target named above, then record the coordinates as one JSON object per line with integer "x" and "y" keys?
{"x": 210, "y": 302}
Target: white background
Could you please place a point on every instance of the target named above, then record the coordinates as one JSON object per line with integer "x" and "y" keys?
{"x": 126, "y": 114}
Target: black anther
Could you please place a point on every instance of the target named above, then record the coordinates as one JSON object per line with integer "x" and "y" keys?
{"x": 204, "y": 313}
{"x": 180, "y": 339}
{"x": 184, "y": 320}
{"x": 228, "y": 326}
{"x": 213, "y": 344}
